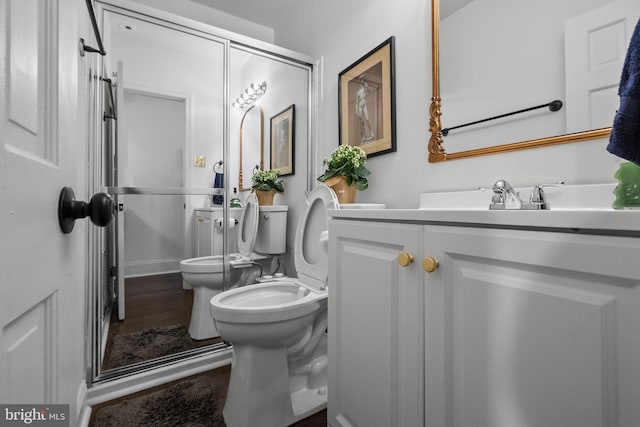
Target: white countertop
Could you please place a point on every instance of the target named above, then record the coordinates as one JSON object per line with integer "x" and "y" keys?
{"x": 584, "y": 220}
{"x": 583, "y": 208}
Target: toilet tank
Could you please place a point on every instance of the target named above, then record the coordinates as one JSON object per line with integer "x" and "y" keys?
{"x": 272, "y": 230}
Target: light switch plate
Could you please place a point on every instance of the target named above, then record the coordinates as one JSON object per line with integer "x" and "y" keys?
{"x": 199, "y": 161}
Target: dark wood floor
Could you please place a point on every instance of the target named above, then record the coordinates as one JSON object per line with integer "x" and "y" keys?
{"x": 220, "y": 379}
{"x": 153, "y": 302}
{"x": 156, "y": 301}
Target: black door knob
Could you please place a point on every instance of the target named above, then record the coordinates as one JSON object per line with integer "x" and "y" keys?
{"x": 99, "y": 209}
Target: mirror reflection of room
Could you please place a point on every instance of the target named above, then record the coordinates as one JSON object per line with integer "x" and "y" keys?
{"x": 170, "y": 140}
{"x": 163, "y": 119}
{"x": 498, "y": 290}
{"x": 573, "y": 55}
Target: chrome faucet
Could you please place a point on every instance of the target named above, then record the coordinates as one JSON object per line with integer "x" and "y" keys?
{"x": 506, "y": 197}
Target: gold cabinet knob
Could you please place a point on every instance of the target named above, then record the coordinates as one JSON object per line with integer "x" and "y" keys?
{"x": 429, "y": 264}
{"x": 404, "y": 259}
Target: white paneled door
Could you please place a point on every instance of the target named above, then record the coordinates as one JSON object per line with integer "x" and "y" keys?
{"x": 595, "y": 48}
{"x": 43, "y": 148}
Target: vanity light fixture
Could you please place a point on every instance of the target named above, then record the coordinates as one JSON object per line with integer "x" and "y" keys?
{"x": 250, "y": 95}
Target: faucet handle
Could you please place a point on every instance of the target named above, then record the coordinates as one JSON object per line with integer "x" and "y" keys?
{"x": 554, "y": 184}
{"x": 538, "y": 195}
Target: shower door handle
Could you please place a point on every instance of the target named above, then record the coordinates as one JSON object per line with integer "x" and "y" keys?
{"x": 99, "y": 209}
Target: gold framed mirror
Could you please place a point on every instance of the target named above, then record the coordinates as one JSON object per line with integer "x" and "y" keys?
{"x": 436, "y": 148}
{"x": 251, "y": 146}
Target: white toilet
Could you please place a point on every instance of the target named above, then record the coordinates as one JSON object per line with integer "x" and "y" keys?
{"x": 206, "y": 274}
{"x": 278, "y": 331}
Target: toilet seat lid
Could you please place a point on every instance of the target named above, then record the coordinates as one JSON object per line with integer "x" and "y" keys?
{"x": 311, "y": 255}
{"x": 248, "y": 226}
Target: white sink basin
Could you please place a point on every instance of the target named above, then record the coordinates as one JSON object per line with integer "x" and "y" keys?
{"x": 578, "y": 208}
{"x": 457, "y": 200}
{"x": 561, "y": 197}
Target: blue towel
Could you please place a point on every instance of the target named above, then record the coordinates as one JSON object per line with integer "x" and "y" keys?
{"x": 624, "y": 141}
{"x": 218, "y": 182}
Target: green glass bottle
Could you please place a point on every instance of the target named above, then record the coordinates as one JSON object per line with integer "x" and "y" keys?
{"x": 627, "y": 191}
{"x": 235, "y": 200}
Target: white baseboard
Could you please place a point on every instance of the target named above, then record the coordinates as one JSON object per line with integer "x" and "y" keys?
{"x": 85, "y": 417}
{"x": 103, "y": 392}
{"x": 151, "y": 267}
{"x": 105, "y": 334}
{"x": 83, "y": 412}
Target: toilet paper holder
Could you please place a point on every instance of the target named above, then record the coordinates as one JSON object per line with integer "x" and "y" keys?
{"x": 232, "y": 222}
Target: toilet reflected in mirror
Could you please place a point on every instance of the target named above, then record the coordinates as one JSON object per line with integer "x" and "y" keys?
{"x": 206, "y": 274}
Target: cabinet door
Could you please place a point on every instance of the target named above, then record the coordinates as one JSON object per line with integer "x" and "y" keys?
{"x": 527, "y": 328}
{"x": 204, "y": 233}
{"x": 375, "y": 325}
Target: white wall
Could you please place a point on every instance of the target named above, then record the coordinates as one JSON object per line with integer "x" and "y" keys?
{"x": 397, "y": 178}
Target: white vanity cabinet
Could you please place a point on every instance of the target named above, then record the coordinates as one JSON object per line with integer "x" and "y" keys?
{"x": 531, "y": 328}
{"x": 204, "y": 232}
{"x": 375, "y": 326}
{"x": 209, "y": 236}
{"x": 513, "y": 328}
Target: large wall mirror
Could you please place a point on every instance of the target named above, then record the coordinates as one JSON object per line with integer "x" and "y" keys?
{"x": 251, "y": 145}
{"x": 492, "y": 57}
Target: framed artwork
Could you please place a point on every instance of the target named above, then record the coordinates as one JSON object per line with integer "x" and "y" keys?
{"x": 283, "y": 128}
{"x": 366, "y": 101}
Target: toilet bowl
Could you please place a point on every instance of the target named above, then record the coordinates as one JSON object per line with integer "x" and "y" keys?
{"x": 278, "y": 331}
{"x": 207, "y": 271}
{"x": 206, "y": 274}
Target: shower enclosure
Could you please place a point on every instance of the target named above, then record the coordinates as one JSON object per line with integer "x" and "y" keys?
{"x": 163, "y": 120}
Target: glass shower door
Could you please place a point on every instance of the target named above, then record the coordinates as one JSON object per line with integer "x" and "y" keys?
{"x": 158, "y": 158}
{"x": 175, "y": 130}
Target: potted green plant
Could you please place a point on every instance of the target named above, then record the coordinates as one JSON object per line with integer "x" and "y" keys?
{"x": 346, "y": 172}
{"x": 266, "y": 183}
